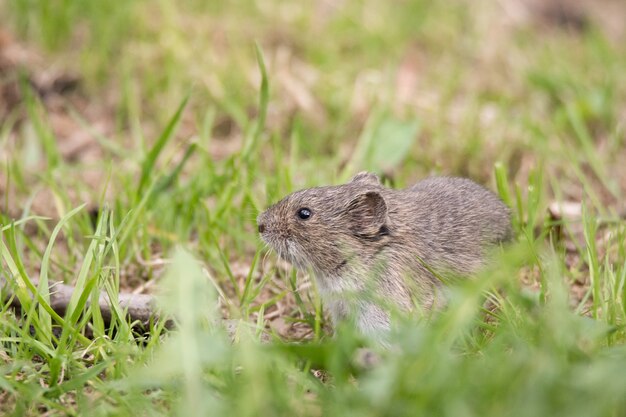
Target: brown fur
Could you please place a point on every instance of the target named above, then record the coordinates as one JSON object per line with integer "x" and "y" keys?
{"x": 372, "y": 247}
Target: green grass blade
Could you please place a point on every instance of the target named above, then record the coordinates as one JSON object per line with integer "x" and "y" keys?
{"x": 149, "y": 162}
{"x": 43, "y": 131}
{"x": 263, "y": 102}
{"x": 44, "y": 290}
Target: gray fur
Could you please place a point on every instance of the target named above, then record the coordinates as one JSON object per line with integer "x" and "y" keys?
{"x": 372, "y": 247}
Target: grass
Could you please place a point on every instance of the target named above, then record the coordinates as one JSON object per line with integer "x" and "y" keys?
{"x": 196, "y": 130}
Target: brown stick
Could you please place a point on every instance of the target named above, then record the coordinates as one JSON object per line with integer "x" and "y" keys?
{"x": 139, "y": 307}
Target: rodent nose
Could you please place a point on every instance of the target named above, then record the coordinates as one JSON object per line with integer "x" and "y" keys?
{"x": 261, "y": 228}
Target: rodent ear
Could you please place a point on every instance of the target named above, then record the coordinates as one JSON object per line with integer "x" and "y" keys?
{"x": 366, "y": 178}
{"x": 368, "y": 214}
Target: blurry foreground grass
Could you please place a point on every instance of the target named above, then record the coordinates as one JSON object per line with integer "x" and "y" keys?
{"x": 136, "y": 151}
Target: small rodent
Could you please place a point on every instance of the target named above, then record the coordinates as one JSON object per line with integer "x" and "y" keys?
{"x": 363, "y": 238}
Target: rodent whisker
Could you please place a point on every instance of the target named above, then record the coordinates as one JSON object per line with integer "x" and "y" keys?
{"x": 251, "y": 214}
{"x": 266, "y": 256}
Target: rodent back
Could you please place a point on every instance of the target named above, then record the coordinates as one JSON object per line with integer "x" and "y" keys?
{"x": 469, "y": 208}
{"x": 448, "y": 222}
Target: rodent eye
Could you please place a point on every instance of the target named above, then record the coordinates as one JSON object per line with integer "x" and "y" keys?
{"x": 304, "y": 213}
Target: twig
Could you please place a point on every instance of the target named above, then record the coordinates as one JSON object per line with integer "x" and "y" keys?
{"x": 138, "y": 307}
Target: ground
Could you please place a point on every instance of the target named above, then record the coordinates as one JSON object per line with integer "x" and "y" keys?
{"x": 175, "y": 124}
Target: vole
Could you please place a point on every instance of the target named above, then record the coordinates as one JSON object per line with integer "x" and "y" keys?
{"x": 372, "y": 248}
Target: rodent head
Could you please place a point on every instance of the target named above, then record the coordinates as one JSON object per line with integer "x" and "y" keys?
{"x": 325, "y": 227}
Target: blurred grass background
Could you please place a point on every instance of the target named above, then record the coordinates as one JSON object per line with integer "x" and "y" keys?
{"x": 130, "y": 128}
